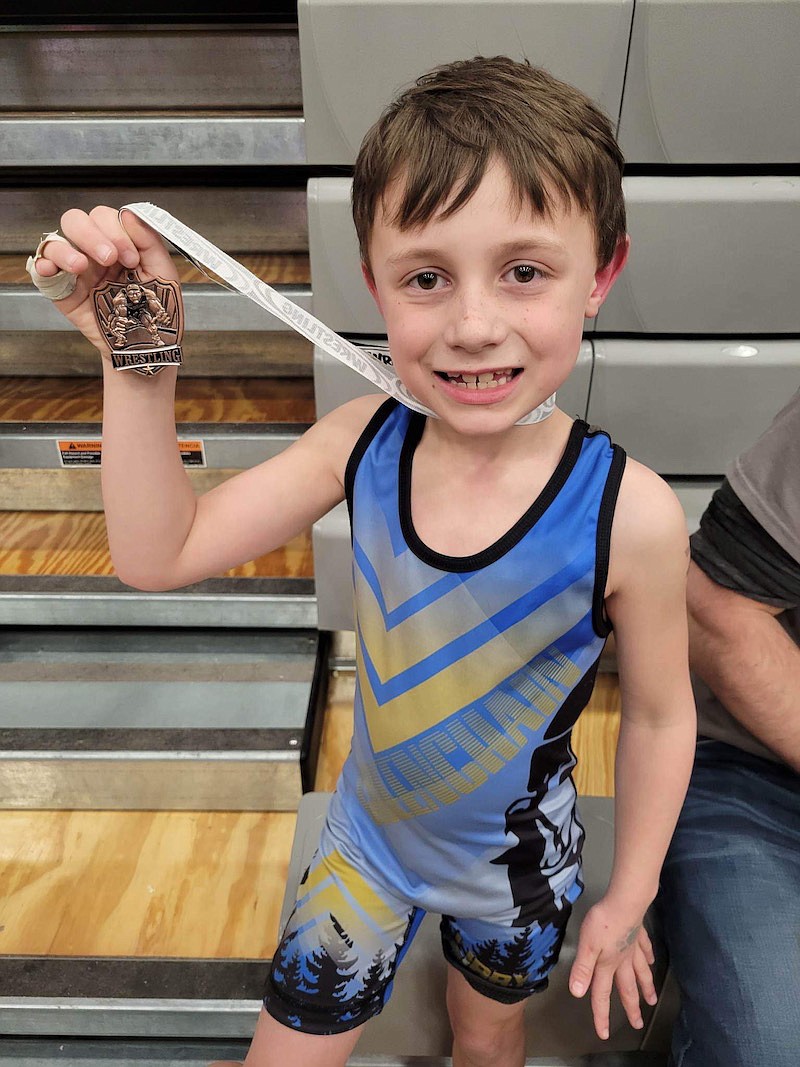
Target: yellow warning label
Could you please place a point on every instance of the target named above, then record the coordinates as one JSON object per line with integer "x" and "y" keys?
{"x": 88, "y": 453}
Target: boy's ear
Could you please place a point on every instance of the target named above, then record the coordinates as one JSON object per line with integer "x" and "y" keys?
{"x": 367, "y": 273}
{"x": 606, "y": 276}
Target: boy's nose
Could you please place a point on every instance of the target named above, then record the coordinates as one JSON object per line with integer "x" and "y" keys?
{"x": 475, "y": 323}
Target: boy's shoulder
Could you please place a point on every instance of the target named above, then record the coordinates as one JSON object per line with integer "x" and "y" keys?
{"x": 353, "y": 416}
{"x": 338, "y": 431}
{"x": 356, "y": 412}
{"x": 649, "y": 522}
{"x": 647, "y": 507}
{"x": 327, "y": 445}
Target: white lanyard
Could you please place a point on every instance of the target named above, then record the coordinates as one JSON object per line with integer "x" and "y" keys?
{"x": 373, "y": 363}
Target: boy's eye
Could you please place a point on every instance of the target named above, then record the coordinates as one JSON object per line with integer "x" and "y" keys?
{"x": 524, "y": 272}
{"x": 427, "y": 280}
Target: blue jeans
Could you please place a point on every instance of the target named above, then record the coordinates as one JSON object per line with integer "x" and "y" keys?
{"x": 730, "y": 908}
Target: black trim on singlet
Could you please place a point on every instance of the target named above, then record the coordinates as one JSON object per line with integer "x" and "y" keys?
{"x": 487, "y": 556}
{"x": 361, "y": 446}
{"x": 600, "y": 621}
{"x": 574, "y": 703}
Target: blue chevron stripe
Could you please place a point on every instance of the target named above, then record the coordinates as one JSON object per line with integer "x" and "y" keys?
{"x": 565, "y": 643}
{"x": 423, "y": 599}
{"x": 467, "y": 643}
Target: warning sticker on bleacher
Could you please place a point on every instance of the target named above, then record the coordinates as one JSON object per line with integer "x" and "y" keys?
{"x": 192, "y": 453}
{"x": 79, "y": 453}
{"x": 88, "y": 453}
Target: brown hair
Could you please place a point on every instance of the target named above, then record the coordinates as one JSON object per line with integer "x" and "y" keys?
{"x": 441, "y": 134}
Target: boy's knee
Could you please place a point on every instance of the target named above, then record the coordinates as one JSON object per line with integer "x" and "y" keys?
{"x": 487, "y": 1045}
{"x": 485, "y": 1037}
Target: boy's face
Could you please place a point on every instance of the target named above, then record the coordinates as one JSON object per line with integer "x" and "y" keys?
{"x": 484, "y": 310}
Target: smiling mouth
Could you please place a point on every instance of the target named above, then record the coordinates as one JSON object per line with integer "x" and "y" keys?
{"x": 488, "y": 380}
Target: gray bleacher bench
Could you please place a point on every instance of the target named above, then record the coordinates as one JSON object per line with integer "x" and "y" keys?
{"x": 414, "y": 1023}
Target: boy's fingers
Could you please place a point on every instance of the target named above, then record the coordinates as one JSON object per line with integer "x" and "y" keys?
{"x": 104, "y": 239}
{"x": 89, "y": 234}
{"x": 116, "y": 243}
{"x": 601, "y": 997}
{"x": 60, "y": 255}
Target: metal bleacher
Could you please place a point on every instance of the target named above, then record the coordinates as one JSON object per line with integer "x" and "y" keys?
{"x": 205, "y": 118}
{"x": 208, "y": 698}
{"x": 243, "y": 120}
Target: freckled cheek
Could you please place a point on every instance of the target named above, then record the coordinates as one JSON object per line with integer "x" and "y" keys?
{"x": 408, "y": 347}
{"x": 410, "y": 335}
{"x": 566, "y": 322}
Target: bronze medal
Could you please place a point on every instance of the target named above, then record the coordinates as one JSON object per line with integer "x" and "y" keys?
{"x": 142, "y": 322}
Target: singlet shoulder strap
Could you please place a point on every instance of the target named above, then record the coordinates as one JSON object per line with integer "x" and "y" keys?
{"x": 362, "y": 444}
{"x": 600, "y": 621}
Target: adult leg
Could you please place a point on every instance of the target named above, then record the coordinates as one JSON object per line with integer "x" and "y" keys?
{"x": 276, "y": 1045}
{"x": 486, "y": 1033}
{"x": 731, "y": 911}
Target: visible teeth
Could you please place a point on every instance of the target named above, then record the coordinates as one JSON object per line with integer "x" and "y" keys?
{"x": 490, "y": 380}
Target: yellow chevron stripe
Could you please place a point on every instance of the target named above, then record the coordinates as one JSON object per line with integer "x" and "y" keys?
{"x": 433, "y": 780}
{"x": 434, "y": 700}
{"x": 438, "y": 623}
{"x": 322, "y": 895}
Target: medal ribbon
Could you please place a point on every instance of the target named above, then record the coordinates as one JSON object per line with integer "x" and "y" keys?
{"x": 374, "y": 364}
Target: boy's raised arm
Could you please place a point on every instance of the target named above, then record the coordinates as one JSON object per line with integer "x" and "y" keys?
{"x": 647, "y": 606}
{"x": 160, "y": 534}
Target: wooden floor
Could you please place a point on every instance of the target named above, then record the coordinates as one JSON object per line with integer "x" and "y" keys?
{"x": 276, "y": 269}
{"x": 198, "y": 884}
{"x": 239, "y": 400}
{"x": 56, "y": 527}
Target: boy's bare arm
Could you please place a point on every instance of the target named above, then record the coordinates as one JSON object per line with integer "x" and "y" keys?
{"x": 742, "y": 652}
{"x": 161, "y": 536}
{"x": 646, "y": 603}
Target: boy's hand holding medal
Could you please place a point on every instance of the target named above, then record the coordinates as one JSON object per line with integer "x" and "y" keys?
{"x": 117, "y": 284}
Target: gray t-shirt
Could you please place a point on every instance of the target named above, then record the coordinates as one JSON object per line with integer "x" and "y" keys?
{"x": 761, "y": 563}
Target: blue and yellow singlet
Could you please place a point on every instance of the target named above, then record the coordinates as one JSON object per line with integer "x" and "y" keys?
{"x": 471, "y": 674}
{"x": 457, "y": 796}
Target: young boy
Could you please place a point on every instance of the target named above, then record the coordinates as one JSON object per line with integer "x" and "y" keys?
{"x": 492, "y": 558}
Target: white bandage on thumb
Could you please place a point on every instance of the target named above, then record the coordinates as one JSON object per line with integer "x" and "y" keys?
{"x": 62, "y": 284}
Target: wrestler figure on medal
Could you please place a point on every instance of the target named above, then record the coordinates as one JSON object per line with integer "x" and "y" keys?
{"x": 142, "y": 323}
{"x": 136, "y": 305}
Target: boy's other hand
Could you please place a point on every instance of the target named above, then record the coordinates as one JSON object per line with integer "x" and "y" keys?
{"x": 613, "y": 950}
{"x": 99, "y": 248}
